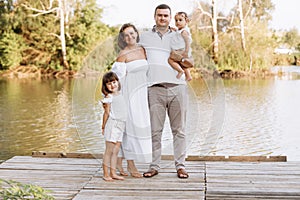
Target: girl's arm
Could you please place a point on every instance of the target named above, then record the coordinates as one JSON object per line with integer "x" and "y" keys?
{"x": 186, "y": 38}
{"x": 106, "y": 107}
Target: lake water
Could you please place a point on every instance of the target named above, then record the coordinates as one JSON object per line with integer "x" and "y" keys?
{"x": 226, "y": 117}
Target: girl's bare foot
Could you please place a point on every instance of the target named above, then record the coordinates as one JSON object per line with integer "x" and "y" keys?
{"x": 188, "y": 78}
{"x": 188, "y": 75}
{"x": 179, "y": 74}
{"x": 115, "y": 176}
{"x": 108, "y": 178}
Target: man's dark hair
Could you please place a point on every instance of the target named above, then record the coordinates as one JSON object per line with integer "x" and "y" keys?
{"x": 162, "y": 6}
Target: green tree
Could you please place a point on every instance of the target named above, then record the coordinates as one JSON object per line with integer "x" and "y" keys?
{"x": 232, "y": 41}
{"x": 291, "y": 38}
{"x": 11, "y": 43}
{"x": 11, "y": 46}
{"x": 37, "y": 32}
{"x": 85, "y": 31}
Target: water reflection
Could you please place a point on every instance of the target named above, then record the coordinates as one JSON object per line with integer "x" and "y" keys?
{"x": 235, "y": 117}
{"x": 251, "y": 126}
{"x": 35, "y": 115}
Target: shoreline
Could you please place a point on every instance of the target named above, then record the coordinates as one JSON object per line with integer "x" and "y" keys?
{"x": 34, "y": 72}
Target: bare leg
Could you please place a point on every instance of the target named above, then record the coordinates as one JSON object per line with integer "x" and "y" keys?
{"x": 113, "y": 162}
{"x": 133, "y": 170}
{"x": 120, "y": 168}
{"x": 177, "y": 67}
{"x": 106, "y": 161}
{"x": 188, "y": 75}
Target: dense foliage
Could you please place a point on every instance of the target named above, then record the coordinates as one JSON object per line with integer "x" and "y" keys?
{"x": 30, "y": 33}
{"x": 260, "y": 42}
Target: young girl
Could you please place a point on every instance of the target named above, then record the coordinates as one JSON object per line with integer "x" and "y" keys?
{"x": 180, "y": 43}
{"x": 113, "y": 125}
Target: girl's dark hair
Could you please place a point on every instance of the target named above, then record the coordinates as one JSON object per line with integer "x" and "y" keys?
{"x": 122, "y": 44}
{"x": 162, "y": 6}
{"x": 109, "y": 77}
{"x": 183, "y": 14}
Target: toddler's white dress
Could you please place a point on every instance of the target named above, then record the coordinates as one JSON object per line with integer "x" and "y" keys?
{"x": 177, "y": 41}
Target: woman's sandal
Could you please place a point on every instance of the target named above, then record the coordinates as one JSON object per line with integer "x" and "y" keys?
{"x": 136, "y": 174}
{"x": 133, "y": 171}
{"x": 122, "y": 173}
{"x": 150, "y": 173}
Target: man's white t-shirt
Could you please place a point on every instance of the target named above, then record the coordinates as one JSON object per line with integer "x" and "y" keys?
{"x": 158, "y": 50}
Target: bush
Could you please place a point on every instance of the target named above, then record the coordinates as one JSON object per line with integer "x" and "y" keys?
{"x": 13, "y": 190}
{"x": 11, "y": 46}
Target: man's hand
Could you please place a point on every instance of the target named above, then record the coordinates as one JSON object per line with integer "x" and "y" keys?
{"x": 175, "y": 56}
{"x": 187, "y": 63}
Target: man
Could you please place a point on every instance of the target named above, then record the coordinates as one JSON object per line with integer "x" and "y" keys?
{"x": 166, "y": 93}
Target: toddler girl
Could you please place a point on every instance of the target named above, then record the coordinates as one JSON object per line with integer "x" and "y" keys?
{"x": 181, "y": 44}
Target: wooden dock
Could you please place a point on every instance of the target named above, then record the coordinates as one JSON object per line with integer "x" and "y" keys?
{"x": 80, "y": 178}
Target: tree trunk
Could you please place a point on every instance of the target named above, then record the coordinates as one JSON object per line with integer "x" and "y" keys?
{"x": 242, "y": 27}
{"x": 61, "y": 5}
{"x": 215, "y": 39}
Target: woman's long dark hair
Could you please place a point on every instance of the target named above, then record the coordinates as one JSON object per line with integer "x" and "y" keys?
{"x": 122, "y": 44}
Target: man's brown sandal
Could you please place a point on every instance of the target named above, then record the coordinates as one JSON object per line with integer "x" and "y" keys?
{"x": 181, "y": 173}
{"x": 150, "y": 173}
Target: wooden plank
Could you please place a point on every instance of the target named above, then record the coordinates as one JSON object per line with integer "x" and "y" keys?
{"x": 65, "y": 155}
{"x": 247, "y": 197}
{"x": 81, "y": 178}
{"x": 44, "y": 154}
{"x": 129, "y": 194}
{"x": 167, "y": 157}
{"x": 264, "y": 180}
{"x": 206, "y": 158}
{"x": 257, "y": 159}
{"x": 238, "y": 158}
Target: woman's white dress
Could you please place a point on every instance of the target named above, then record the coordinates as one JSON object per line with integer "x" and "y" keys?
{"x": 136, "y": 144}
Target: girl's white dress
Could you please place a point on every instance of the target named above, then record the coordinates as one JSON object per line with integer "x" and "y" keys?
{"x": 116, "y": 122}
{"x": 137, "y": 143}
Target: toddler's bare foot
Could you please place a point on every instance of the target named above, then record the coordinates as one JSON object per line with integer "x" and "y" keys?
{"x": 188, "y": 78}
{"x": 107, "y": 178}
{"x": 117, "y": 177}
{"x": 179, "y": 74}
